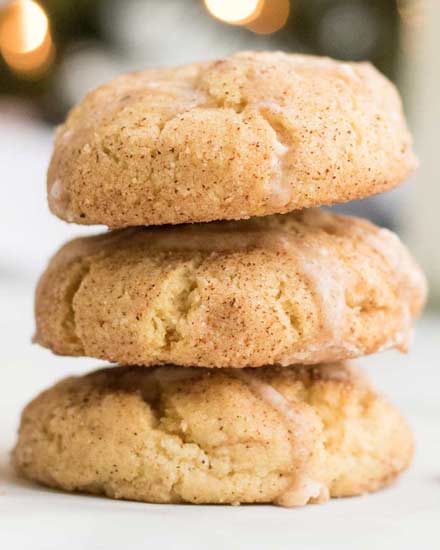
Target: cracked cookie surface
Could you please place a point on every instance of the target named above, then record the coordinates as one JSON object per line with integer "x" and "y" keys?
{"x": 254, "y": 134}
{"x": 308, "y": 287}
{"x": 287, "y": 435}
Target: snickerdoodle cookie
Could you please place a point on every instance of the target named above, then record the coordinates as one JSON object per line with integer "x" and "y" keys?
{"x": 308, "y": 287}
{"x": 287, "y": 435}
{"x": 253, "y": 134}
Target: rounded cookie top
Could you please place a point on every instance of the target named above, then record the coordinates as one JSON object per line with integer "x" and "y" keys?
{"x": 253, "y": 134}
{"x": 308, "y": 287}
{"x": 171, "y": 434}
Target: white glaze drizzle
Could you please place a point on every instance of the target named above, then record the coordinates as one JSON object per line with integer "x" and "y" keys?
{"x": 346, "y": 71}
{"x": 280, "y": 188}
{"x": 280, "y": 192}
{"x": 60, "y": 200}
{"x": 388, "y": 245}
{"x": 303, "y": 487}
{"x": 324, "y": 275}
{"x": 57, "y": 190}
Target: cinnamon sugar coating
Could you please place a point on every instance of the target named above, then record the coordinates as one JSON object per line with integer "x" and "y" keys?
{"x": 289, "y": 436}
{"x": 308, "y": 287}
{"x": 253, "y": 134}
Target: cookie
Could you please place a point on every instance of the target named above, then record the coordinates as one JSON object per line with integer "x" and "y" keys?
{"x": 254, "y": 134}
{"x": 286, "y": 435}
{"x": 308, "y": 287}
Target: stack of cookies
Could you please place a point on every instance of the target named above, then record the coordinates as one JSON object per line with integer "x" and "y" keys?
{"x": 232, "y": 335}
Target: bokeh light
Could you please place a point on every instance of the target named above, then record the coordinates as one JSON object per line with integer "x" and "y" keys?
{"x": 235, "y": 12}
{"x": 25, "y": 38}
{"x": 272, "y": 17}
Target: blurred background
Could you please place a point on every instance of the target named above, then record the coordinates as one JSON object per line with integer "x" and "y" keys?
{"x": 53, "y": 51}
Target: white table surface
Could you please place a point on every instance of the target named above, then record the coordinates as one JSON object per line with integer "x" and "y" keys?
{"x": 406, "y": 515}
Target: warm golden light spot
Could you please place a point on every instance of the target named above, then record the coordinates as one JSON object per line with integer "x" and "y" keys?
{"x": 25, "y": 40}
{"x": 272, "y": 17}
{"x": 235, "y": 12}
